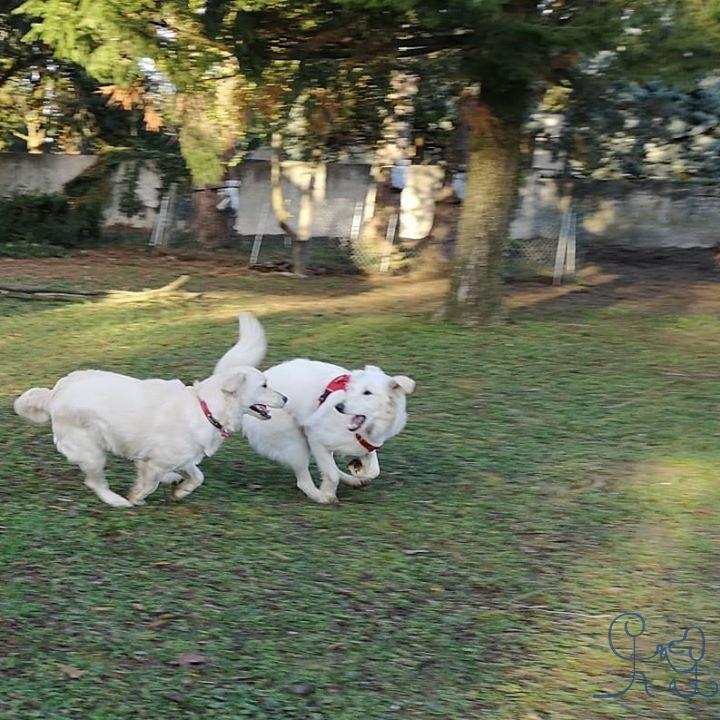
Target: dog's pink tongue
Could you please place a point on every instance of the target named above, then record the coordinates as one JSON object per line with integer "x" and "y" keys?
{"x": 356, "y": 421}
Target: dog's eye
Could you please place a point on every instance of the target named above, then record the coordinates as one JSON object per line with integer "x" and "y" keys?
{"x": 367, "y": 392}
{"x": 264, "y": 385}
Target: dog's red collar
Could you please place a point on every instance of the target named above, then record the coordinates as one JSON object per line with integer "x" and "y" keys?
{"x": 341, "y": 383}
{"x": 368, "y": 446}
{"x": 224, "y": 432}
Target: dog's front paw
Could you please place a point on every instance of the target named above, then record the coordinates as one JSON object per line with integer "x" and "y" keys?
{"x": 324, "y": 499}
{"x": 118, "y": 502}
{"x": 179, "y": 492}
{"x": 357, "y": 482}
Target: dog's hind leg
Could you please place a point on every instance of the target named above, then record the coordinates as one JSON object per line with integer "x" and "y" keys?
{"x": 82, "y": 449}
{"x": 170, "y": 478}
{"x": 148, "y": 478}
{"x": 193, "y": 480}
{"x": 305, "y": 482}
{"x": 95, "y": 480}
{"x": 281, "y": 439}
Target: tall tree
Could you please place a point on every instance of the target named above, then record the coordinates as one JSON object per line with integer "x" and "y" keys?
{"x": 509, "y": 48}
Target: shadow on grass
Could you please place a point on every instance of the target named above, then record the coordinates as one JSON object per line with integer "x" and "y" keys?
{"x": 661, "y": 282}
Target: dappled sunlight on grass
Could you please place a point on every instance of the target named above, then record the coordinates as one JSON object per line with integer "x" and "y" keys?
{"x": 406, "y": 295}
{"x": 657, "y": 557}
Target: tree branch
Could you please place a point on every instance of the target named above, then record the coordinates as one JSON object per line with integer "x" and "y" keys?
{"x": 278, "y": 201}
{"x": 171, "y": 291}
{"x": 339, "y": 44}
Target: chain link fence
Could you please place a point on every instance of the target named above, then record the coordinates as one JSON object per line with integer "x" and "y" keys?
{"x": 364, "y": 247}
{"x": 554, "y": 249}
{"x": 356, "y": 250}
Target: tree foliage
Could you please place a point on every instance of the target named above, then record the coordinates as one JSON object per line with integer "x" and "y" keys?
{"x": 645, "y": 130}
{"x": 234, "y": 71}
{"x": 48, "y": 103}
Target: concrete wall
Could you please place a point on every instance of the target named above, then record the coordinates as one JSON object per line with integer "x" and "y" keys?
{"x": 646, "y": 214}
{"x": 148, "y": 190}
{"x": 651, "y": 214}
{"x": 337, "y": 199}
{"x": 637, "y": 214}
{"x": 21, "y": 173}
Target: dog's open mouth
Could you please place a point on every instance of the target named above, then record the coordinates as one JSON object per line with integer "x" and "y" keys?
{"x": 356, "y": 422}
{"x": 260, "y": 411}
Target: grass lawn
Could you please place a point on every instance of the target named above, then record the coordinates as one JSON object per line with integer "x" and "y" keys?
{"x": 555, "y": 471}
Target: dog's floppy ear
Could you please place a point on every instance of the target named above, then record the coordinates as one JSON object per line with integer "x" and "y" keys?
{"x": 232, "y": 382}
{"x": 402, "y": 382}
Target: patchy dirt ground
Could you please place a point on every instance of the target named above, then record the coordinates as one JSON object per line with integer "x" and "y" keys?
{"x": 668, "y": 281}
{"x": 672, "y": 282}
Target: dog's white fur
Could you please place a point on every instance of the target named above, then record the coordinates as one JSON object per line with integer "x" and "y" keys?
{"x": 303, "y": 428}
{"x": 157, "y": 423}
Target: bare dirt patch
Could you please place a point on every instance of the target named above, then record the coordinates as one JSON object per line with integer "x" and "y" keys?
{"x": 666, "y": 282}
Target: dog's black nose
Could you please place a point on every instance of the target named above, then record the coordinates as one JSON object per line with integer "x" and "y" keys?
{"x": 340, "y": 407}
{"x": 284, "y": 397}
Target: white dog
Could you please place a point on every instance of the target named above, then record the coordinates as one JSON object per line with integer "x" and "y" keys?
{"x": 315, "y": 420}
{"x": 166, "y": 427}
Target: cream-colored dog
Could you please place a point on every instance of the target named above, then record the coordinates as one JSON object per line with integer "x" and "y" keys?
{"x": 166, "y": 427}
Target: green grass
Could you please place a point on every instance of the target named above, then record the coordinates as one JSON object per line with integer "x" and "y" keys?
{"x": 554, "y": 472}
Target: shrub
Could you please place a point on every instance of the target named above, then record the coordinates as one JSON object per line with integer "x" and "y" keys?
{"x": 47, "y": 220}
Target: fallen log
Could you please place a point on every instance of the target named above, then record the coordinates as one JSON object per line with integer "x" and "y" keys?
{"x": 28, "y": 294}
{"x": 171, "y": 291}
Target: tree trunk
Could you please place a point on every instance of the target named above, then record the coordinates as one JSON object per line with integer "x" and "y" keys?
{"x": 36, "y": 138}
{"x": 304, "y": 230}
{"x": 299, "y": 257}
{"x": 459, "y": 150}
{"x": 475, "y": 293}
{"x": 211, "y": 227}
{"x": 299, "y": 238}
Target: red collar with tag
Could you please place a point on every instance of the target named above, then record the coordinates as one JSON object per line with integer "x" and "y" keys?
{"x": 224, "y": 432}
{"x": 340, "y": 383}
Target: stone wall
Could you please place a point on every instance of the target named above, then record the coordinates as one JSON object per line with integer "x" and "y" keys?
{"x": 633, "y": 214}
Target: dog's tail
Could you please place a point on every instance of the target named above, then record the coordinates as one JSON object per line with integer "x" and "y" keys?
{"x": 249, "y": 349}
{"x": 33, "y": 405}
